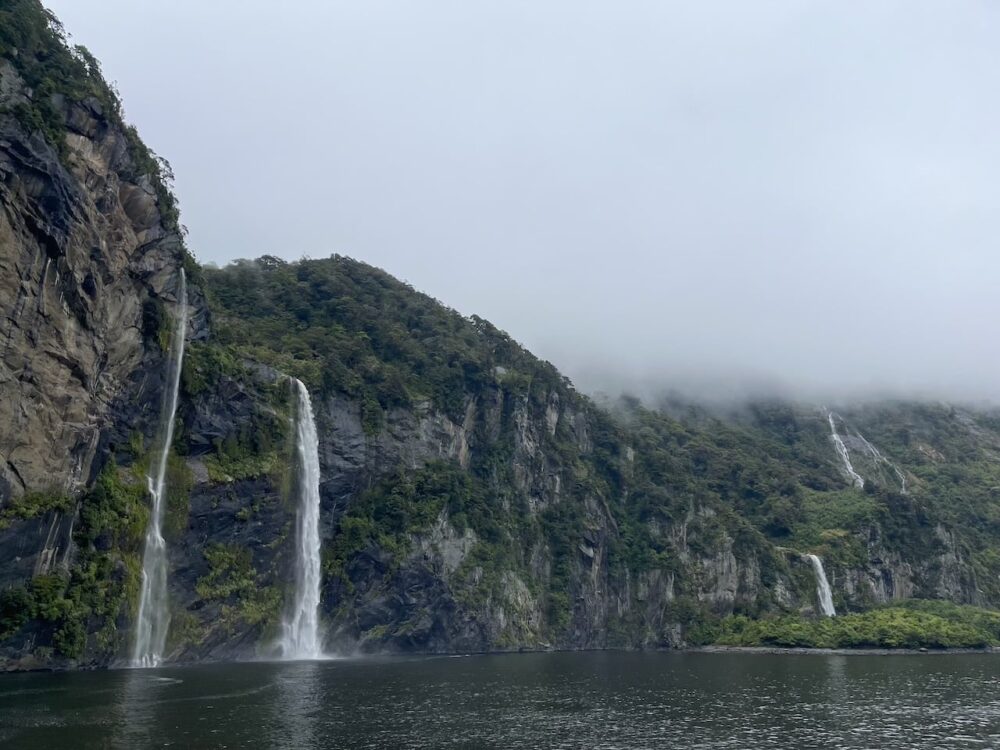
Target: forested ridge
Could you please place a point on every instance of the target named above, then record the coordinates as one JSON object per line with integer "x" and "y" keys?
{"x": 471, "y": 498}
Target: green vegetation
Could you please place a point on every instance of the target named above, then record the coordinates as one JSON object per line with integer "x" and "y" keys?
{"x": 36, "y": 45}
{"x": 232, "y": 579}
{"x": 102, "y": 584}
{"x": 185, "y": 630}
{"x": 32, "y": 505}
{"x": 349, "y": 330}
{"x": 343, "y": 326}
{"x": 404, "y": 504}
{"x": 260, "y": 446}
{"x": 230, "y": 571}
{"x": 206, "y": 364}
{"x": 179, "y": 481}
{"x": 773, "y": 466}
{"x": 912, "y": 624}
{"x": 15, "y": 609}
{"x": 765, "y": 479}
{"x": 32, "y": 38}
{"x": 545, "y": 481}
{"x": 224, "y": 467}
{"x": 114, "y": 514}
{"x": 660, "y": 494}
{"x": 232, "y": 582}
{"x": 258, "y": 450}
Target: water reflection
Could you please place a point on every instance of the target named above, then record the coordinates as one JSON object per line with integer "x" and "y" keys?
{"x": 298, "y": 699}
{"x": 135, "y": 712}
{"x": 838, "y": 685}
{"x": 600, "y": 701}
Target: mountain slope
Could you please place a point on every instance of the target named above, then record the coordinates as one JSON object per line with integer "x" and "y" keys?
{"x": 90, "y": 251}
{"x": 482, "y": 502}
{"x": 596, "y": 527}
{"x": 471, "y": 499}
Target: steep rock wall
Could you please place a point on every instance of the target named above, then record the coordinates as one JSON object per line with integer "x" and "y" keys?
{"x": 84, "y": 251}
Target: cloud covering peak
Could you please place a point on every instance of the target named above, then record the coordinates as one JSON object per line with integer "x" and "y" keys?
{"x": 734, "y": 193}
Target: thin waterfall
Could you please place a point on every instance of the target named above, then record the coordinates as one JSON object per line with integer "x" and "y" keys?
{"x": 845, "y": 457}
{"x": 822, "y": 587}
{"x": 154, "y": 608}
{"x": 300, "y": 632}
{"x": 878, "y": 458}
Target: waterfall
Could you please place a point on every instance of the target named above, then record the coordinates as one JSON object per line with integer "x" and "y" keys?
{"x": 300, "y": 631}
{"x": 154, "y": 609}
{"x": 878, "y": 458}
{"x": 822, "y": 587}
{"x": 845, "y": 457}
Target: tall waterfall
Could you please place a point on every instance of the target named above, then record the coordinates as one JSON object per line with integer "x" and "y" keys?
{"x": 300, "y": 631}
{"x": 845, "y": 457}
{"x": 822, "y": 587}
{"x": 154, "y": 609}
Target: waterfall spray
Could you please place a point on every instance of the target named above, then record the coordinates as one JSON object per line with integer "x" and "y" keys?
{"x": 153, "y": 620}
{"x": 822, "y": 587}
{"x": 300, "y": 631}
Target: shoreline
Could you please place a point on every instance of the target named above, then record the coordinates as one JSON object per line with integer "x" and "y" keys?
{"x": 22, "y": 668}
{"x": 813, "y": 651}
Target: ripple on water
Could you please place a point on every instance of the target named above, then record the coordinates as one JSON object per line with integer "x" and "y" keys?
{"x": 598, "y": 701}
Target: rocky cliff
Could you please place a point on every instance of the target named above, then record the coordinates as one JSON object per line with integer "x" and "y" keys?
{"x": 90, "y": 253}
{"x": 471, "y": 498}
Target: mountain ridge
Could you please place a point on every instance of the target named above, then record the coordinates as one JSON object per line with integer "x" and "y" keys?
{"x": 471, "y": 498}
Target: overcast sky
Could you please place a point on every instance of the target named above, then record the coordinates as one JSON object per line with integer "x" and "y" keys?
{"x": 694, "y": 194}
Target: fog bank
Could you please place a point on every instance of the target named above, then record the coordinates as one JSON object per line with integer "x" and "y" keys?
{"x": 718, "y": 197}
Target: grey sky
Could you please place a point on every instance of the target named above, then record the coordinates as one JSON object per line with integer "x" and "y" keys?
{"x": 688, "y": 193}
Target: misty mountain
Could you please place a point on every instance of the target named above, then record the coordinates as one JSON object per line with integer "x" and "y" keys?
{"x": 470, "y": 497}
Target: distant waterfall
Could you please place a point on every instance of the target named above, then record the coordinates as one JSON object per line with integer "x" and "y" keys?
{"x": 300, "y": 632}
{"x": 878, "y": 458}
{"x": 154, "y": 608}
{"x": 845, "y": 457}
{"x": 822, "y": 587}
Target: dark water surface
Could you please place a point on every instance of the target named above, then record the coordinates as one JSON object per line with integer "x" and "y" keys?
{"x": 588, "y": 700}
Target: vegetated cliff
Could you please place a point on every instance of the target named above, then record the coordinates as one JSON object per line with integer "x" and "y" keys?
{"x": 471, "y": 498}
{"x": 474, "y": 500}
{"x": 90, "y": 252}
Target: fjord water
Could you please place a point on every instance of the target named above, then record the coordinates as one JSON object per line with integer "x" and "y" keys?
{"x": 300, "y": 637}
{"x": 153, "y": 620}
{"x": 569, "y": 700}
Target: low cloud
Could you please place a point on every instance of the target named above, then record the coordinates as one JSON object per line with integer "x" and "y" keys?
{"x": 713, "y": 197}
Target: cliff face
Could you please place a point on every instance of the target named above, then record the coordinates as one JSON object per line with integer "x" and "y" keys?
{"x": 494, "y": 529}
{"x": 473, "y": 501}
{"x": 471, "y": 498}
{"x": 549, "y": 571}
{"x": 522, "y": 516}
{"x": 89, "y": 261}
{"x": 85, "y": 250}
{"x": 453, "y": 590}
